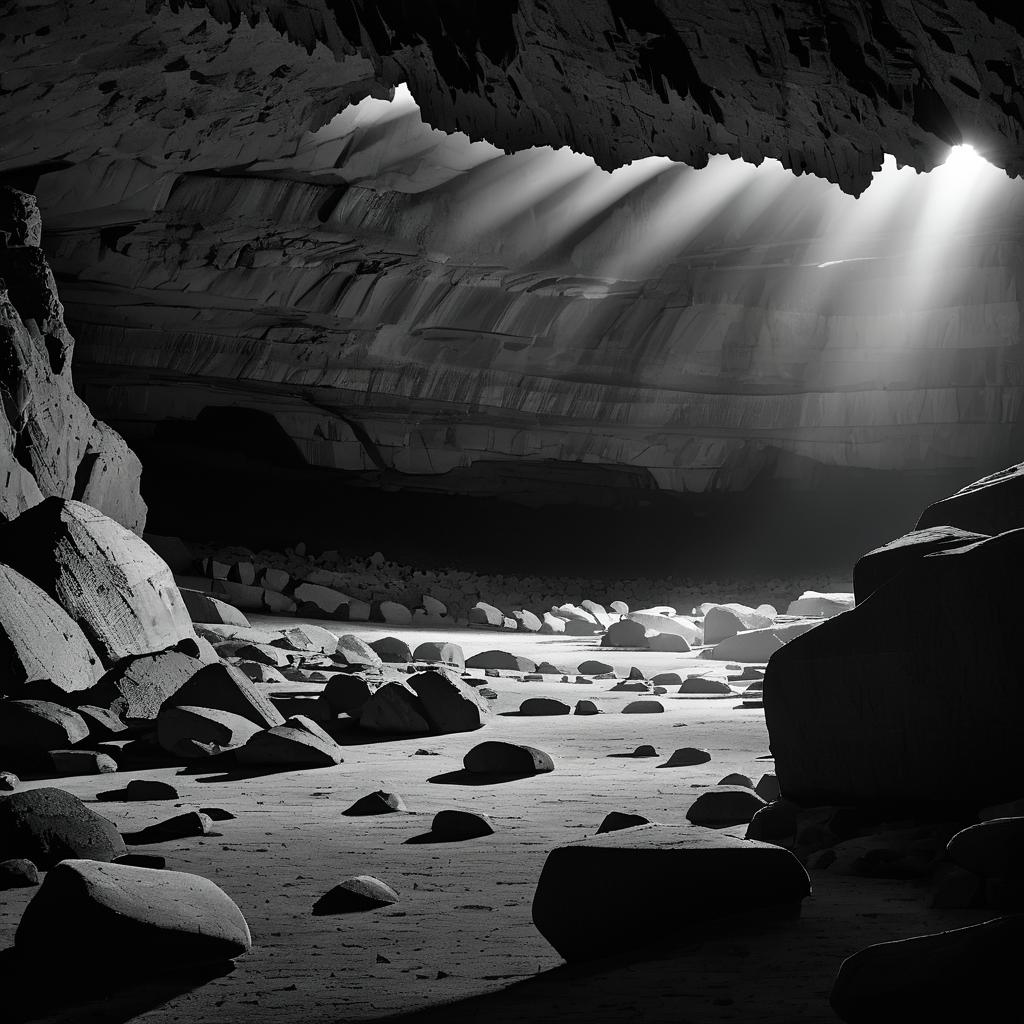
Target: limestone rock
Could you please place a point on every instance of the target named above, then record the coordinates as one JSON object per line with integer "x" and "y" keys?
{"x": 299, "y": 742}
{"x": 35, "y": 725}
{"x": 181, "y": 826}
{"x": 308, "y": 638}
{"x": 199, "y": 732}
{"x": 362, "y": 892}
{"x": 724, "y": 806}
{"x": 104, "y": 576}
{"x": 495, "y": 757}
{"x": 114, "y": 914}
{"x": 353, "y": 650}
{"x": 725, "y": 620}
{"x": 49, "y": 825}
{"x": 736, "y": 779}
{"x": 203, "y": 607}
{"x": 225, "y": 688}
{"x": 702, "y": 876}
{"x": 136, "y": 688}
{"x": 394, "y": 708}
{"x": 39, "y": 640}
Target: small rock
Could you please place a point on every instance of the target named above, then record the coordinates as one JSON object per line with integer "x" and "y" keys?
{"x": 181, "y": 826}
{"x": 543, "y": 706}
{"x": 616, "y": 820}
{"x": 379, "y": 802}
{"x": 687, "y": 756}
{"x": 644, "y": 707}
{"x": 737, "y": 780}
{"x": 594, "y": 668}
{"x": 216, "y": 813}
{"x": 645, "y": 750}
{"x": 457, "y": 825}
{"x": 725, "y": 806}
{"x": 587, "y": 707}
{"x": 149, "y": 789}
{"x": 18, "y": 873}
{"x": 362, "y": 892}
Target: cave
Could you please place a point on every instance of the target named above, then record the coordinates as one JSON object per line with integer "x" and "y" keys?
{"x": 377, "y": 373}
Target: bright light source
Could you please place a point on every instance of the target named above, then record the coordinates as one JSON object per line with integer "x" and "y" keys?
{"x": 963, "y": 165}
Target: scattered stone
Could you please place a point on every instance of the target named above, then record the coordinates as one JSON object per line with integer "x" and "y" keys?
{"x": 484, "y": 614}
{"x": 115, "y": 916}
{"x": 39, "y": 640}
{"x": 346, "y": 695}
{"x": 668, "y": 642}
{"x": 544, "y": 706}
{"x": 264, "y": 654}
{"x": 454, "y": 826}
{"x": 49, "y": 825}
{"x": 190, "y": 732}
{"x": 501, "y": 661}
{"x": 625, "y": 633}
{"x": 18, "y": 873}
{"x": 495, "y": 757}
{"x": 38, "y": 725}
{"x": 725, "y": 806}
{"x": 645, "y": 750}
{"x": 614, "y": 821}
{"x": 105, "y": 577}
{"x": 527, "y": 621}
{"x": 704, "y": 684}
{"x": 587, "y": 707}
{"x": 644, "y": 707}
{"x": 392, "y": 650}
{"x": 379, "y": 802}
{"x": 181, "y": 826}
{"x": 702, "y": 876}
{"x": 686, "y": 757}
{"x": 594, "y": 668}
{"x": 545, "y": 668}
{"x": 205, "y": 608}
{"x": 300, "y": 741}
{"x": 81, "y": 762}
{"x": 143, "y": 789}
{"x": 636, "y": 686}
{"x": 363, "y": 892}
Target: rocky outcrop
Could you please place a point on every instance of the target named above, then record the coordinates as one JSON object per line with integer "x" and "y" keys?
{"x": 50, "y": 443}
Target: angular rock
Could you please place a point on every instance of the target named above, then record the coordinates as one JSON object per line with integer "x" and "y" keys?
{"x": 454, "y": 826}
{"x": 392, "y": 650}
{"x": 39, "y": 640}
{"x": 106, "y": 578}
{"x": 205, "y": 608}
{"x": 625, "y": 633}
{"x": 394, "y": 708}
{"x": 379, "y": 802}
{"x": 767, "y": 787}
{"x": 724, "y": 806}
{"x": 114, "y": 916}
{"x": 446, "y": 702}
{"x": 484, "y": 614}
{"x": 136, "y": 688}
{"x": 148, "y": 789}
{"x": 81, "y": 762}
{"x": 502, "y": 661}
{"x": 299, "y": 741}
{"x": 181, "y": 826}
{"x": 346, "y": 695}
{"x": 615, "y": 821}
{"x": 48, "y": 825}
{"x": 702, "y": 877}
{"x": 990, "y": 505}
{"x": 362, "y": 892}
{"x": 353, "y": 650}
{"x": 445, "y": 654}
{"x": 225, "y": 688}
{"x": 724, "y": 620}
{"x": 684, "y": 757}
{"x": 35, "y": 725}
{"x": 18, "y": 873}
{"x": 495, "y": 757}
{"x": 544, "y": 706}
{"x": 201, "y": 732}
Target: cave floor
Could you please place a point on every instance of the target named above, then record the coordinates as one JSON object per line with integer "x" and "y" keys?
{"x": 460, "y": 945}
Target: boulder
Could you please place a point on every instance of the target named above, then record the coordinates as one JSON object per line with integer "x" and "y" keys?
{"x": 685, "y": 757}
{"x": 113, "y": 917}
{"x": 703, "y": 684}
{"x": 767, "y": 787}
{"x": 144, "y": 789}
{"x": 871, "y": 705}
{"x": 345, "y": 695}
{"x": 501, "y": 661}
{"x": 594, "y": 668}
{"x": 994, "y": 504}
{"x": 446, "y": 702}
{"x": 181, "y": 826}
{"x": 437, "y": 652}
{"x": 103, "y": 723}
{"x": 724, "y": 806}
{"x": 363, "y": 892}
{"x": 495, "y": 757}
{"x": 725, "y": 620}
{"x": 668, "y": 642}
{"x": 645, "y": 750}
{"x": 965, "y": 974}
{"x": 811, "y": 603}
{"x": 760, "y": 644}
{"x": 105, "y": 577}
{"x": 379, "y": 802}
{"x": 308, "y": 639}
{"x": 587, "y": 707}
{"x": 200, "y": 732}
{"x": 615, "y": 821}
{"x": 395, "y": 709}
{"x": 619, "y": 607}
{"x": 81, "y": 762}
{"x": 325, "y": 600}
{"x": 353, "y": 650}
{"x": 552, "y": 623}
{"x": 736, "y": 779}
{"x": 655, "y": 622}
{"x": 625, "y": 633}
{"x": 644, "y": 707}
{"x": 48, "y": 825}
{"x": 701, "y": 877}
{"x": 205, "y": 608}
{"x": 486, "y": 615}
{"x": 18, "y": 873}
{"x": 299, "y": 742}
{"x": 882, "y": 563}
{"x": 262, "y": 654}
{"x": 993, "y": 849}
{"x": 136, "y": 688}
{"x": 36, "y": 725}
{"x": 544, "y": 706}
{"x": 391, "y": 612}
{"x": 454, "y": 826}
{"x": 527, "y": 621}
{"x": 392, "y": 650}
{"x": 39, "y": 640}
{"x": 225, "y": 688}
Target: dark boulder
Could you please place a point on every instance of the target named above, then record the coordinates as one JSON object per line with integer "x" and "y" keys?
{"x": 446, "y": 702}
{"x": 136, "y": 688}
{"x": 615, "y": 821}
{"x": 994, "y": 504}
{"x": 454, "y": 826}
{"x": 379, "y": 802}
{"x": 362, "y": 892}
{"x": 724, "y": 806}
{"x": 223, "y": 687}
{"x": 18, "y": 873}
{"x": 299, "y": 742}
{"x": 37, "y": 725}
{"x": 495, "y": 757}
{"x": 539, "y": 706}
{"x": 205, "y": 608}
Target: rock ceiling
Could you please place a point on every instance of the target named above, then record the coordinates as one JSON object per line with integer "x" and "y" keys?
{"x": 223, "y": 237}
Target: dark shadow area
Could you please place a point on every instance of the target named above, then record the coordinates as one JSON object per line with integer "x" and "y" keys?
{"x": 465, "y": 778}
{"x": 429, "y": 838}
{"x": 91, "y": 997}
{"x": 152, "y": 835}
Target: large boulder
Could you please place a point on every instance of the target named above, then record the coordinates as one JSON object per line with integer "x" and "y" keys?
{"x": 192, "y": 732}
{"x": 392, "y": 649}
{"x": 496, "y": 757}
{"x": 36, "y": 725}
{"x": 702, "y": 876}
{"x": 105, "y": 577}
{"x": 446, "y": 654}
{"x": 725, "y": 620}
{"x": 299, "y": 742}
{"x": 625, "y": 633}
{"x": 654, "y": 621}
{"x": 115, "y": 916}
{"x": 725, "y": 805}
{"x": 136, "y": 688}
{"x": 354, "y": 650}
{"x": 484, "y": 615}
{"x": 447, "y": 703}
{"x": 39, "y": 640}
{"x": 394, "y": 708}
{"x": 813, "y": 603}
{"x": 308, "y": 639}
{"x": 49, "y": 825}
{"x": 205, "y": 608}
{"x": 994, "y": 504}
{"x": 346, "y": 694}
{"x": 501, "y": 661}
{"x": 226, "y": 688}
{"x": 913, "y": 695}
{"x": 760, "y": 644}
{"x": 881, "y": 564}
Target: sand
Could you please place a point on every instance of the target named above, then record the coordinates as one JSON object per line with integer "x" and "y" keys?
{"x": 460, "y": 945}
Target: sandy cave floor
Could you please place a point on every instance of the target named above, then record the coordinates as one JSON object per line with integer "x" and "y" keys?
{"x": 460, "y": 946}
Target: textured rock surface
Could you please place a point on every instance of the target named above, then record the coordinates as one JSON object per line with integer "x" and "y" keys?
{"x": 50, "y": 444}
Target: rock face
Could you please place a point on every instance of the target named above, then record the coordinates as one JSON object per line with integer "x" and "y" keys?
{"x": 881, "y": 703}
{"x": 50, "y": 444}
{"x": 107, "y": 914}
{"x": 702, "y": 876}
{"x": 39, "y": 640}
{"x": 109, "y": 580}
{"x": 993, "y": 504}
